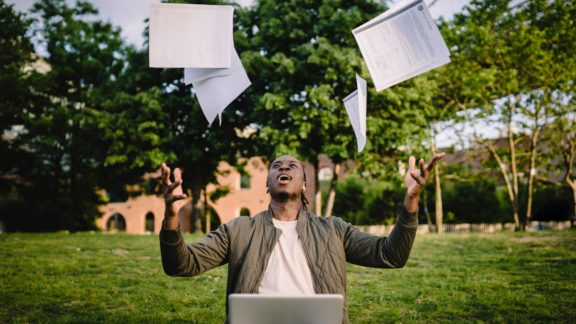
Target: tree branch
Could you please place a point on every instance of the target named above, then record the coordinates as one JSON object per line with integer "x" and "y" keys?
{"x": 457, "y": 178}
{"x": 557, "y": 183}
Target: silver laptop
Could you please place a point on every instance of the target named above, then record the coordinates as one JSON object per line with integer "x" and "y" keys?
{"x": 285, "y": 309}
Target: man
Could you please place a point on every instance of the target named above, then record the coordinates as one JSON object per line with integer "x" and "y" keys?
{"x": 286, "y": 249}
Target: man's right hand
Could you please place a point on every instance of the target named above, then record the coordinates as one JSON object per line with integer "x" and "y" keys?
{"x": 172, "y": 196}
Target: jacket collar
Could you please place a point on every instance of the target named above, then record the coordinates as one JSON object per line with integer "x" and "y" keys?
{"x": 302, "y": 216}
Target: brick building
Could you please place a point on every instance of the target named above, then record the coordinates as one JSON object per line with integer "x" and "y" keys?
{"x": 247, "y": 195}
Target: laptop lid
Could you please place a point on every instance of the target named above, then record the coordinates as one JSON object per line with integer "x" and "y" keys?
{"x": 285, "y": 309}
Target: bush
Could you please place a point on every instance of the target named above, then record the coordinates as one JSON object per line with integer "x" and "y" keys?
{"x": 364, "y": 202}
{"x": 473, "y": 202}
{"x": 551, "y": 203}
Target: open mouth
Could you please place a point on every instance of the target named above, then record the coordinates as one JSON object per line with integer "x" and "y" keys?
{"x": 284, "y": 178}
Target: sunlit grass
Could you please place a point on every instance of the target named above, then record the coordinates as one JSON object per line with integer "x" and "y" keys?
{"x": 450, "y": 278}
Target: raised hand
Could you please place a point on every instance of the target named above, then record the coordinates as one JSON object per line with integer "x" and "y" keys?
{"x": 173, "y": 195}
{"x": 415, "y": 179}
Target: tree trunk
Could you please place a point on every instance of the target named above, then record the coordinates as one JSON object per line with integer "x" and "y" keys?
{"x": 207, "y": 212}
{"x": 531, "y": 176}
{"x": 437, "y": 189}
{"x": 438, "y": 195}
{"x": 73, "y": 200}
{"x": 332, "y": 195}
{"x": 520, "y": 225}
{"x": 317, "y": 192}
{"x": 425, "y": 203}
{"x": 511, "y": 195}
{"x": 573, "y": 220}
{"x": 569, "y": 152}
{"x": 196, "y": 210}
{"x": 55, "y": 222}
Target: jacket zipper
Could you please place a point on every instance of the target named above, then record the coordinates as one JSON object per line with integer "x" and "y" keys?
{"x": 310, "y": 266}
{"x": 263, "y": 262}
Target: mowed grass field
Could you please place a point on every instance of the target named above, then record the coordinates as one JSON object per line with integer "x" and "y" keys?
{"x": 450, "y": 278}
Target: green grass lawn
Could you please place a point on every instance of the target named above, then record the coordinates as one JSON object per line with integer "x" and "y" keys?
{"x": 81, "y": 278}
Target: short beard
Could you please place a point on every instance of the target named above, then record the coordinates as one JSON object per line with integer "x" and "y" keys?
{"x": 285, "y": 196}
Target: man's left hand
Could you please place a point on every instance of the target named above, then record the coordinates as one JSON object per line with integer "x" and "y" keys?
{"x": 415, "y": 179}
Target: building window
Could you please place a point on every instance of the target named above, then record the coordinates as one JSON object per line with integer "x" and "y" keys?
{"x": 244, "y": 212}
{"x": 245, "y": 182}
{"x": 149, "y": 223}
{"x": 116, "y": 222}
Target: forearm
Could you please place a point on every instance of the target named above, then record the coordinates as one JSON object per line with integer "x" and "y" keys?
{"x": 170, "y": 220}
{"x": 398, "y": 245}
{"x": 186, "y": 260}
{"x": 411, "y": 202}
{"x": 383, "y": 252}
{"x": 175, "y": 255}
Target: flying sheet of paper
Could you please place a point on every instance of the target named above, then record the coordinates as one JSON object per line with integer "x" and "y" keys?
{"x": 430, "y": 67}
{"x": 198, "y": 74}
{"x": 355, "y": 105}
{"x": 190, "y": 36}
{"x": 216, "y": 93}
{"x": 401, "y": 43}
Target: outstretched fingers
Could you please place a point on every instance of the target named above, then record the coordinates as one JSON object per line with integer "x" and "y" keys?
{"x": 177, "y": 174}
{"x": 411, "y": 162}
{"x": 165, "y": 176}
{"x": 173, "y": 198}
{"x": 435, "y": 160}
{"x": 173, "y": 186}
{"x": 422, "y": 168}
{"x": 177, "y": 182}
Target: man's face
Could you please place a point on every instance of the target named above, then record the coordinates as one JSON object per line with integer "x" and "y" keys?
{"x": 285, "y": 178}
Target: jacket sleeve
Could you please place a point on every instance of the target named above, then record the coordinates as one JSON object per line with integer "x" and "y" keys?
{"x": 187, "y": 260}
{"x": 379, "y": 251}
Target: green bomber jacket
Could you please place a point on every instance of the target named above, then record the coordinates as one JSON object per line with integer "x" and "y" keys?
{"x": 245, "y": 244}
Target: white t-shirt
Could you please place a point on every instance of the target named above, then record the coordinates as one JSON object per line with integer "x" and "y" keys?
{"x": 288, "y": 271}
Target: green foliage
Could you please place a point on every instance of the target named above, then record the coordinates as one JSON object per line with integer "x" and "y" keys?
{"x": 303, "y": 64}
{"x": 512, "y": 64}
{"x": 552, "y": 203}
{"x": 220, "y": 192}
{"x": 361, "y": 201}
{"x": 449, "y": 278}
{"x": 15, "y": 54}
{"x": 350, "y": 195}
{"x": 57, "y": 157}
{"x": 302, "y": 60}
{"x": 99, "y": 123}
{"x": 100, "y": 117}
{"x": 183, "y": 137}
{"x": 473, "y": 202}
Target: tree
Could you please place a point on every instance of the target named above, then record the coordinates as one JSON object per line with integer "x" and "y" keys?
{"x": 302, "y": 60}
{"x": 72, "y": 145}
{"x": 561, "y": 137}
{"x": 186, "y": 139}
{"x": 302, "y": 65}
{"x": 504, "y": 70}
{"x": 556, "y": 22}
{"x": 16, "y": 55}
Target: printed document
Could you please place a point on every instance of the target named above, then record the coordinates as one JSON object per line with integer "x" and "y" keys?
{"x": 216, "y": 93}
{"x": 401, "y": 43}
{"x": 190, "y": 36}
{"x": 199, "y": 74}
{"x": 355, "y": 105}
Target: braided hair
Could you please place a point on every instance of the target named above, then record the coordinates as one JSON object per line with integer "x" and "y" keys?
{"x": 302, "y": 195}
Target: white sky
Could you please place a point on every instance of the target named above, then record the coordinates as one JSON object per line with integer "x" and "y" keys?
{"x": 130, "y": 16}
